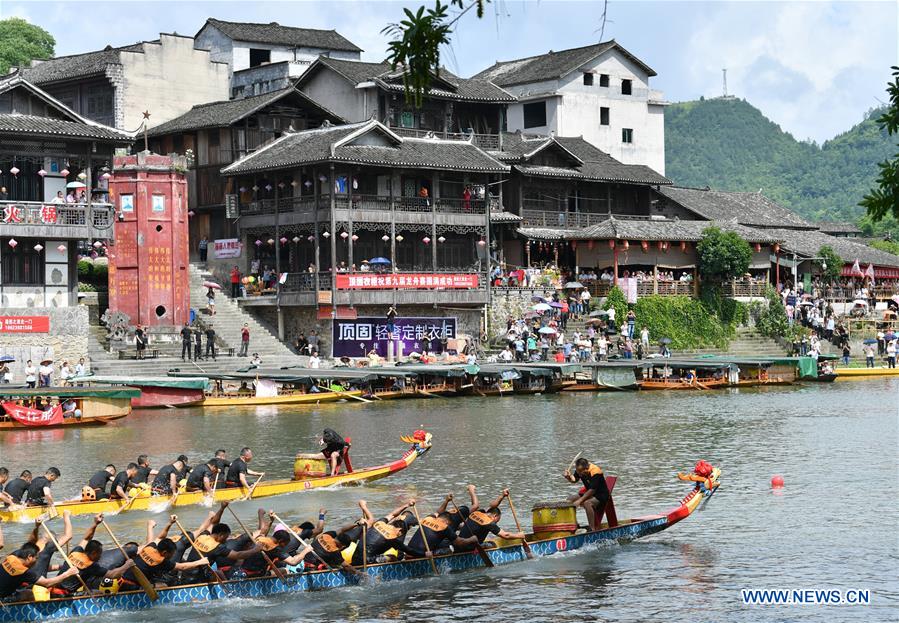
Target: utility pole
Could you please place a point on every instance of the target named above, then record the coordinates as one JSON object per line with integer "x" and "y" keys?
{"x": 724, "y": 71}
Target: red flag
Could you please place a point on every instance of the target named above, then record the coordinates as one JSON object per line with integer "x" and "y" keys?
{"x": 857, "y": 270}
{"x": 869, "y": 273}
{"x": 34, "y": 417}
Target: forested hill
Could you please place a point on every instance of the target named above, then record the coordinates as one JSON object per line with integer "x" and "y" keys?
{"x": 731, "y": 145}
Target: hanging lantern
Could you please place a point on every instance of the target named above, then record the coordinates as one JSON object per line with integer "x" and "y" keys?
{"x": 283, "y": 240}
{"x": 255, "y": 188}
{"x": 482, "y": 243}
{"x": 344, "y": 235}
{"x": 98, "y": 244}
{"x": 326, "y": 234}
{"x": 271, "y": 241}
{"x": 590, "y": 244}
{"x": 308, "y": 183}
{"x": 322, "y": 179}
{"x": 310, "y": 238}
{"x": 665, "y": 246}
{"x": 61, "y": 248}
{"x": 281, "y": 184}
{"x": 355, "y": 184}
{"x": 293, "y": 183}
{"x": 776, "y": 248}
{"x": 626, "y": 244}
{"x": 191, "y": 213}
{"x": 683, "y": 246}
{"x": 441, "y": 240}
{"x": 574, "y": 245}
{"x": 399, "y": 237}
{"x": 426, "y": 240}
{"x": 64, "y": 173}
{"x": 758, "y": 248}
{"x": 42, "y": 173}
{"x": 611, "y": 244}
{"x": 644, "y": 245}
{"x": 14, "y": 171}
{"x": 354, "y": 238}
{"x": 660, "y": 245}
{"x": 385, "y": 237}
{"x": 258, "y": 243}
{"x": 38, "y": 247}
{"x": 268, "y": 187}
{"x": 106, "y": 175}
{"x": 13, "y": 243}
{"x": 296, "y": 239}
{"x": 243, "y": 189}
{"x": 82, "y": 176}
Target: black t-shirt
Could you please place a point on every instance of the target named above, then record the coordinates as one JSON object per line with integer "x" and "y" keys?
{"x": 257, "y": 563}
{"x": 210, "y": 335}
{"x": 142, "y": 475}
{"x": 112, "y": 558}
{"x": 163, "y": 477}
{"x": 151, "y": 562}
{"x": 329, "y": 549}
{"x": 121, "y": 480}
{"x": 380, "y": 537}
{"x": 91, "y": 572}
{"x": 195, "y": 480}
{"x": 14, "y": 573}
{"x": 238, "y": 467}
{"x": 185, "y": 334}
{"x": 99, "y": 481}
{"x": 479, "y": 524}
{"x": 594, "y": 479}
{"x": 36, "y": 490}
{"x": 16, "y": 489}
{"x": 438, "y": 530}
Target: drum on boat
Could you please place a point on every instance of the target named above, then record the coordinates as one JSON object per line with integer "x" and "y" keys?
{"x": 554, "y": 519}
{"x": 312, "y": 465}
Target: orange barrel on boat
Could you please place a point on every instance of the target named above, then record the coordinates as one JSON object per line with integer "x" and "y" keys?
{"x": 310, "y": 466}
{"x": 554, "y": 519}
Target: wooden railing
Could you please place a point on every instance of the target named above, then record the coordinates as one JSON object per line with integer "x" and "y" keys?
{"x": 368, "y": 202}
{"x": 544, "y": 218}
{"x": 744, "y": 288}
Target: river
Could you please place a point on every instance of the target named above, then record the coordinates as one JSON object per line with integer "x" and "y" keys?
{"x": 833, "y": 526}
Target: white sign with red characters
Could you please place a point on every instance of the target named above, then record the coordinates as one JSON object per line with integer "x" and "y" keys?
{"x": 226, "y": 248}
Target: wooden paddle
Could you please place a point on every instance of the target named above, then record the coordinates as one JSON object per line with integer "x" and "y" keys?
{"x": 364, "y": 548}
{"x": 425, "y": 540}
{"x": 193, "y": 544}
{"x": 524, "y": 541}
{"x": 252, "y": 488}
{"x": 267, "y": 558}
{"x": 305, "y": 544}
{"x": 343, "y": 393}
{"x": 214, "y": 485}
{"x": 142, "y": 579}
{"x": 59, "y": 548}
{"x": 573, "y": 461}
{"x": 477, "y": 545}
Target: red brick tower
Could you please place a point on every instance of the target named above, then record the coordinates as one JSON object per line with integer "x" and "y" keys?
{"x": 148, "y": 277}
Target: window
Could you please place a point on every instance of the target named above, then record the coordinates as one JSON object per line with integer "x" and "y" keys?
{"x": 258, "y": 57}
{"x": 603, "y": 115}
{"x": 588, "y": 79}
{"x": 535, "y": 115}
{"x": 603, "y": 80}
{"x": 627, "y": 135}
{"x": 22, "y": 265}
{"x": 626, "y": 87}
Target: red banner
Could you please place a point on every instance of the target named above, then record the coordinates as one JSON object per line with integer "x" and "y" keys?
{"x": 880, "y": 272}
{"x": 24, "y": 324}
{"x": 362, "y": 281}
{"x": 34, "y": 417}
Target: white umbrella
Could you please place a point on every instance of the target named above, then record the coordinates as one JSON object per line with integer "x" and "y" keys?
{"x": 541, "y": 307}
{"x": 547, "y": 330}
{"x": 76, "y": 185}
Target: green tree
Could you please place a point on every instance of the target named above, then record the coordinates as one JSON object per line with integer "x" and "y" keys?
{"x": 886, "y": 245}
{"x": 831, "y": 263}
{"x": 722, "y": 255}
{"x": 21, "y": 42}
{"x": 883, "y": 200}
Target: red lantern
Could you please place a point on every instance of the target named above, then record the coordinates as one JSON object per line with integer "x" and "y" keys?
{"x": 758, "y": 248}
{"x": 590, "y": 244}
{"x": 611, "y": 244}
{"x": 626, "y": 245}
{"x": 683, "y": 246}
{"x": 574, "y": 244}
{"x": 660, "y": 245}
{"x": 645, "y": 246}
{"x": 776, "y": 248}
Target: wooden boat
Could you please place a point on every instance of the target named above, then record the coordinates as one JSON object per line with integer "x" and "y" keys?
{"x": 253, "y": 388}
{"x": 155, "y": 391}
{"x": 144, "y": 501}
{"x": 618, "y": 375}
{"x": 434, "y": 380}
{"x": 507, "y": 379}
{"x": 301, "y": 582}
{"x": 95, "y": 406}
{"x": 672, "y": 374}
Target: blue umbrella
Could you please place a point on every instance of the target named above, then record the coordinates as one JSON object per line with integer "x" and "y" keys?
{"x": 868, "y": 341}
{"x": 379, "y": 260}
{"x": 7, "y": 359}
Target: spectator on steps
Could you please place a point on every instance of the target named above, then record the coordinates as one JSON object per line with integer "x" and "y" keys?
{"x": 204, "y": 249}
{"x": 185, "y": 341}
{"x": 210, "y": 342}
{"x": 244, "y": 340}
{"x": 198, "y": 344}
{"x": 235, "y": 282}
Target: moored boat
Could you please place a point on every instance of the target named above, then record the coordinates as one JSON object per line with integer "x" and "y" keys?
{"x": 503, "y": 379}
{"x": 43, "y": 407}
{"x": 253, "y": 388}
{"x": 298, "y": 582}
{"x": 673, "y": 374}
{"x": 145, "y": 501}
{"x": 618, "y": 375}
{"x": 155, "y": 391}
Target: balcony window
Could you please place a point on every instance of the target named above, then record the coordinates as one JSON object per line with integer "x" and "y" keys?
{"x": 259, "y": 57}
{"x": 588, "y": 79}
{"x": 535, "y": 115}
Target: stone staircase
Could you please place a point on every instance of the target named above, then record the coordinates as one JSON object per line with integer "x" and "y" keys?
{"x": 227, "y": 322}
{"x": 746, "y": 343}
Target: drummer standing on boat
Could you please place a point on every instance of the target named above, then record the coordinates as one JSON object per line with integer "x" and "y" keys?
{"x": 594, "y": 494}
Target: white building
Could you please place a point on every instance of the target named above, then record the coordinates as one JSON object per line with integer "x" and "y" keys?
{"x": 600, "y": 92}
{"x": 246, "y": 46}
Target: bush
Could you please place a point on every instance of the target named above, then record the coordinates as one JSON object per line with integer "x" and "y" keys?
{"x": 85, "y": 268}
{"x": 100, "y": 273}
{"x": 617, "y": 300}
{"x": 833, "y": 262}
{"x": 722, "y": 255}
{"x": 86, "y": 287}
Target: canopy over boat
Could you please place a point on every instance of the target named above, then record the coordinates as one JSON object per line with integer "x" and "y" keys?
{"x": 450, "y": 371}
{"x": 560, "y": 369}
{"x": 186, "y": 382}
{"x": 500, "y": 369}
{"x": 70, "y": 392}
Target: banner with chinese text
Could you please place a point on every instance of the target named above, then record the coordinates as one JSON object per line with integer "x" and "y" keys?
{"x": 355, "y": 338}
{"x": 225, "y": 248}
{"x": 374, "y": 281}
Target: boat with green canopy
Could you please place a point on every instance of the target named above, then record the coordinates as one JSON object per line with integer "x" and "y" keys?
{"x": 54, "y": 407}
{"x": 155, "y": 391}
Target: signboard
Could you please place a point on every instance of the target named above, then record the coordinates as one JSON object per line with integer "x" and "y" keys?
{"x": 226, "y": 248}
{"x": 355, "y": 338}
{"x": 34, "y": 417}
{"x": 24, "y": 324}
{"x": 374, "y": 281}
{"x": 231, "y": 207}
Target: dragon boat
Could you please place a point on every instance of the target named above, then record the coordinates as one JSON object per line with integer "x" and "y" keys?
{"x": 541, "y": 544}
{"x": 310, "y": 472}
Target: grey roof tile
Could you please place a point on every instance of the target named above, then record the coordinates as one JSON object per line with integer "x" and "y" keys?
{"x": 29, "y": 124}
{"x": 838, "y": 227}
{"x": 648, "y": 229}
{"x": 275, "y": 34}
{"x": 77, "y": 65}
{"x": 551, "y": 66}
{"x": 745, "y": 208}
{"x": 807, "y": 243}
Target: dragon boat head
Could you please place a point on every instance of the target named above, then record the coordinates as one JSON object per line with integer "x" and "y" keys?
{"x": 420, "y": 439}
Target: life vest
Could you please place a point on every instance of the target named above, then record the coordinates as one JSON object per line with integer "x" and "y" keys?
{"x": 13, "y": 565}
{"x": 703, "y": 468}
{"x": 88, "y": 494}
{"x": 594, "y": 470}
{"x": 328, "y": 543}
{"x": 151, "y": 556}
{"x": 435, "y": 524}
{"x": 205, "y": 543}
{"x": 80, "y": 560}
{"x": 267, "y": 543}
{"x": 386, "y": 530}
{"x": 481, "y": 518}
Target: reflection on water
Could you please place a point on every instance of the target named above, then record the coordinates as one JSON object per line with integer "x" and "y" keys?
{"x": 836, "y": 446}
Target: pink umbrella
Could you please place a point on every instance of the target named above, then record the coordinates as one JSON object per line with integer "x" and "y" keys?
{"x": 211, "y": 284}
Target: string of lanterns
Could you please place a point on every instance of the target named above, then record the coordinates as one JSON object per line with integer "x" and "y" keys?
{"x": 346, "y": 236}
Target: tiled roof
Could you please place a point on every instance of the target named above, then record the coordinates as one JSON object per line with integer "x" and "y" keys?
{"x": 647, "y": 229}
{"x": 77, "y": 65}
{"x": 551, "y": 66}
{"x": 807, "y": 243}
{"x": 275, "y": 34}
{"x": 836, "y": 227}
{"x": 448, "y": 85}
{"x": 224, "y": 113}
{"x": 745, "y": 208}
{"x": 29, "y": 124}
{"x": 324, "y": 145}
{"x": 504, "y": 217}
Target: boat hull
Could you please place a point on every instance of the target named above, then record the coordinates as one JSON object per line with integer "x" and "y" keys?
{"x": 855, "y": 373}
{"x": 71, "y": 422}
{"x": 284, "y": 399}
{"x": 156, "y": 503}
{"x": 652, "y": 385}
{"x": 152, "y": 397}
{"x": 321, "y": 580}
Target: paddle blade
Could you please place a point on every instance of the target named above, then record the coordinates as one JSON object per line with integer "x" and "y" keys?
{"x": 485, "y": 557}
{"x": 145, "y": 584}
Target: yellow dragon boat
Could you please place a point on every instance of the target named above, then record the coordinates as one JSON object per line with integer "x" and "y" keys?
{"x": 864, "y": 373}
{"x": 309, "y": 474}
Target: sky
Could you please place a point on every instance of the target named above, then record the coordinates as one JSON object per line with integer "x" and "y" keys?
{"x": 814, "y": 67}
